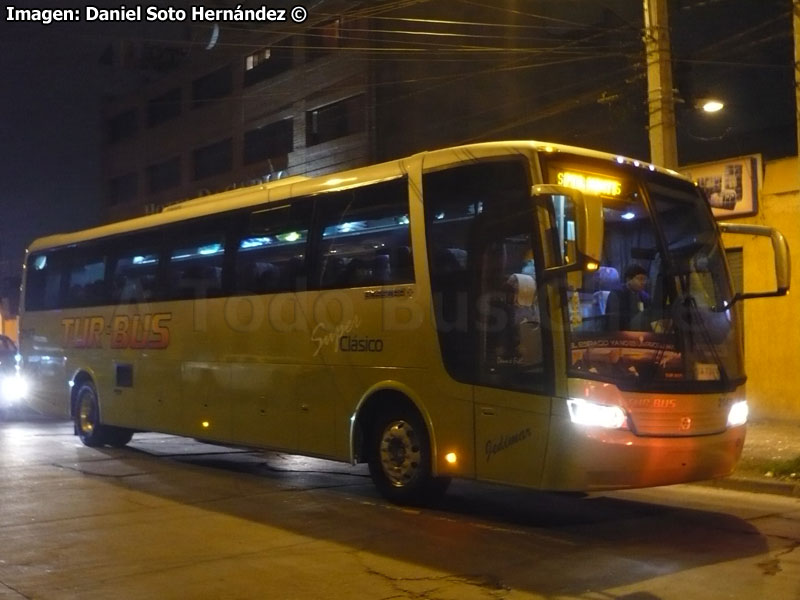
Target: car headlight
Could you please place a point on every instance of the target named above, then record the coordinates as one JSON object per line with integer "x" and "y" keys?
{"x": 13, "y": 387}
{"x": 583, "y": 412}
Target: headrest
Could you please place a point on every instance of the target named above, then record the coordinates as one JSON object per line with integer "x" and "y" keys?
{"x": 452, "y": 258}
{"x": 606, "y": 278}
{"x": 524, "y": 289}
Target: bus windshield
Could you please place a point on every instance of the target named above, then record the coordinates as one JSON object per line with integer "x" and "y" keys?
{"x": 656, "y": 314}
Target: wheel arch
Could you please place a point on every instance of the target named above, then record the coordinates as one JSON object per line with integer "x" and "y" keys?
{"x": 376, "y": 398}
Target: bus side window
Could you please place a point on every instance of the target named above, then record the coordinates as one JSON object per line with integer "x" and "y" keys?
{"x": 133, "y": 278}
{"x": 44, "y": 274}
{"x": 134, "y": 268}
{"x": 86, "y": 283}
{"x": 365, "y": 238}
{"x": 196, "y": 252}
{"x": 195, "y": 269}
{"x": 271, "y": 251}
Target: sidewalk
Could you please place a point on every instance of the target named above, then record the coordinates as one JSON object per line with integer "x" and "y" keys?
{"x": 770, "y": 461}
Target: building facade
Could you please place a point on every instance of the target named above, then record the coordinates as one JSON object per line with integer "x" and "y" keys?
{"x": 355, "y": 85}
{"x": 253, "y": 108}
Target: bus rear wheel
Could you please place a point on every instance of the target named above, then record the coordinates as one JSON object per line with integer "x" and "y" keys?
{"x": 87, "y": 422}
{"x": 400, "y": 459}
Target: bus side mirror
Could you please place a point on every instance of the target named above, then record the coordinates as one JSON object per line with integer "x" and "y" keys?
{"x": 780, "y": 250}
{"x": 579, "y": 223}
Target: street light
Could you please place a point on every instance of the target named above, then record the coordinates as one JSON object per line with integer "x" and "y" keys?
{"x": 711, "y": 105}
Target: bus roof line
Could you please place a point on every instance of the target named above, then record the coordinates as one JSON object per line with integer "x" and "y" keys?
{"x": 230, "y": 194}
{"x": 303, "y": 185}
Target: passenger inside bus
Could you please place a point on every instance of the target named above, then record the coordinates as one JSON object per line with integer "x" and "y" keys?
{"x": 525, "y": 343}
{"x": 626, "y": 307}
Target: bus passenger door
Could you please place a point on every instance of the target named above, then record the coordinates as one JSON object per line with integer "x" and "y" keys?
{"x": 511, "y": 401}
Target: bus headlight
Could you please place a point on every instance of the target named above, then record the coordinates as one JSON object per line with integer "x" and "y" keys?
{"x": 583, "y": 412}
{"x": 13, "y": 387}
{"x": 737, "y": 415}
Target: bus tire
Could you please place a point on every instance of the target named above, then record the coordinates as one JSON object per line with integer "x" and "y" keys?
{"x": 117, "y": 437}
{"x": 400, "y": 459}
{"x": 87, "y": 421}
{"x": 87, "y": 416}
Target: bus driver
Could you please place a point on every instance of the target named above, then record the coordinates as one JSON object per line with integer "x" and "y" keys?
{"x": 626, "y": 307}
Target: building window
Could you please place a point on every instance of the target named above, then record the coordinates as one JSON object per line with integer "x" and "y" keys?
{"x": 164, "y": 107}
{"x": 268, "y": 62}
{"x": 122, "y": 188}
{"x": 212, "y": 87}
{"x": 323, "y": 39}
{"x": 335, "y": 120}
{"x": 270, "y": 141}
{"x": 257, "y": 58}
{"x": 213, "y": 159}
{"x": 164, "y": 175}
{"x": 122, "y": 126}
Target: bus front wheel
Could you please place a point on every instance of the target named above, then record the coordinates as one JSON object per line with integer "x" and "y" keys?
{"x": 87, "y": 422}
{"x": 400, "y": 459}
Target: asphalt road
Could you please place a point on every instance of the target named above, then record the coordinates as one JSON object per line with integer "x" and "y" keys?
{"x": 174, "y": 518}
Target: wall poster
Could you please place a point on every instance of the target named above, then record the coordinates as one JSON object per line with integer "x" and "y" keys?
{"x": 731, "y": 185}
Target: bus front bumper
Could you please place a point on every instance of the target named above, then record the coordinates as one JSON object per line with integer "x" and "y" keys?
{"x": 593, "y": 458}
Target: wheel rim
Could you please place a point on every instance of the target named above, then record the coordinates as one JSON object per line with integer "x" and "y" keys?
{"x": 86, "y": 414}
{"x": 400, "y": 453}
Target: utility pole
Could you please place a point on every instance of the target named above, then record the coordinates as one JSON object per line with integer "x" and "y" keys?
{"x": 796, "y": 25}
{"x": 660, "y": 99}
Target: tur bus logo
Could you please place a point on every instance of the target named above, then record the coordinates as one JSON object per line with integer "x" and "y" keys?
{"x": 123, "y": 331}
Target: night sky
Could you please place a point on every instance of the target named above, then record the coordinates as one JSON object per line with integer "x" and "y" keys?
{"x": 54, "y": 79}
{"x": 50, "y": 129}
{"x": 742, "y": 52}
{"x": 49, "y": 132}
{"x": 53, "y": 82}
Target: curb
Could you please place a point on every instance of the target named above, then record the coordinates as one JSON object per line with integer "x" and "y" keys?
{"x": 758, "y": 486}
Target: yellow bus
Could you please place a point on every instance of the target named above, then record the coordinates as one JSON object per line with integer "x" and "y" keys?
{"x": 456, "y": 313}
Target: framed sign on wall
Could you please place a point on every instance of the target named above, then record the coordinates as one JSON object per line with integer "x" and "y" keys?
{"x": 731, "y": 185}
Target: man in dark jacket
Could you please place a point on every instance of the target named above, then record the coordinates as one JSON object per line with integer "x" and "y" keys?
{"x": 625, "y": 309}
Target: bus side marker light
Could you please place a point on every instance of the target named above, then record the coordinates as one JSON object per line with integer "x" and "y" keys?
{"x": 205, "y": 424}
{"x": 451, "y": 458}
{"x": 592, "y": 414}
{"x": 737, "y": 415}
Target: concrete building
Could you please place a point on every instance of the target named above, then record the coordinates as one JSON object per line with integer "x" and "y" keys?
{"x": 248, "y": 107}
{"x": 239, "y": 105}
